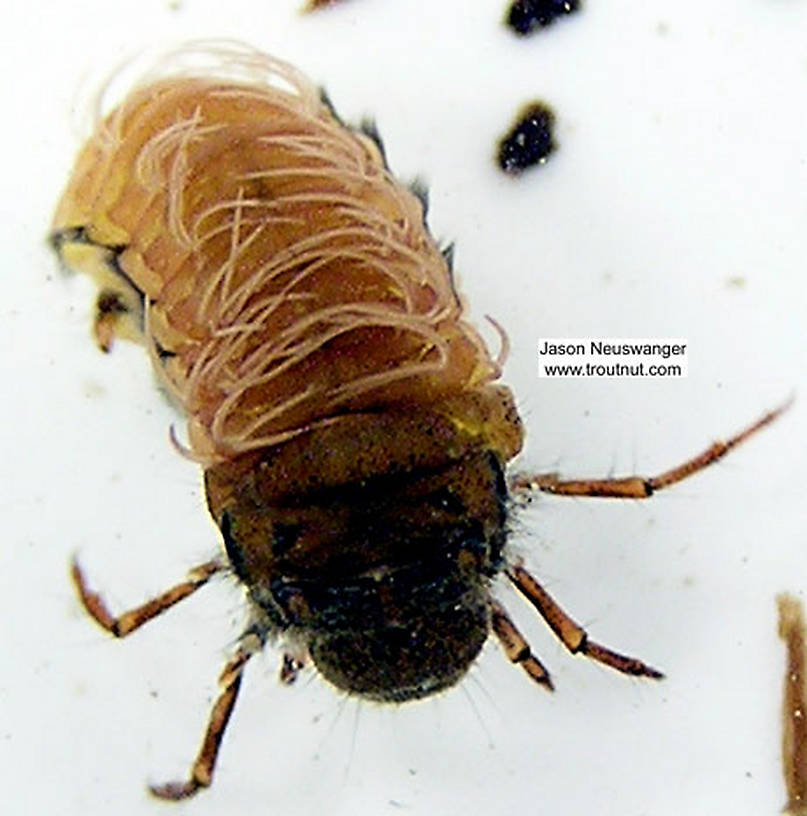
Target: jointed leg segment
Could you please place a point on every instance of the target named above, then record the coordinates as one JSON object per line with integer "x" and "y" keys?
{"x": 290, "y": 668}
{"x": 570, "y": 633}
{"x": 516, "y": 647}
{"x": 230, "y": 680}
{"x": 127, "y": 622}
{"x": 640, "y": 487}
{"x": 202, "y": 769}
{"x": 108, "y": 311}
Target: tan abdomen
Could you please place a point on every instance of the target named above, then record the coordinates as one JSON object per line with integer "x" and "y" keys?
{"x": 285, "y": 277}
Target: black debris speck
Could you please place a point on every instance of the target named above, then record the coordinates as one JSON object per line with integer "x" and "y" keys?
{"x": 526, "y": 15}
{"x": 529, "y": 141}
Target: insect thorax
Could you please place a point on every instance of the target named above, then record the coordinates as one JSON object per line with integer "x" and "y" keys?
{"x": 372, "y": 542}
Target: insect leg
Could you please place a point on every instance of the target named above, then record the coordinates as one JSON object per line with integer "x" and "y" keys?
{"x": 120, "y": 303}
{"x": 516, "y": 647}
{"x": 642, "y": 487}
{"x": 124, "y": 624}
{"x": 108, "y": 310}
{"x": 290, "y": 668}
{"x": 570, "y": 633}
{"x": 202, "y": 769}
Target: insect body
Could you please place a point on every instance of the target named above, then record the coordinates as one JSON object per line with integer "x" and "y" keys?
{"x": 353, "y": 438}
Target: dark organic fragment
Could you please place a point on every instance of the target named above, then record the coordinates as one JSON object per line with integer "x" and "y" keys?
{"x": 794, "y": 738}
{"x": 530, "y": 139}
{"x": 313, "y": 5}
{"x": 524, "y": 16}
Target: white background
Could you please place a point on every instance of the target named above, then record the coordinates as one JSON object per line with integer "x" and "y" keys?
{"x": 675, "y": 206}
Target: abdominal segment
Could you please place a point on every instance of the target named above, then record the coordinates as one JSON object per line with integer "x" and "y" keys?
{"x": 277, "y": 272}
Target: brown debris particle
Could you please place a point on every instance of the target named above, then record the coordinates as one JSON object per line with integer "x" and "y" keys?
{"x": 794, "y": 740}
{"x": 313, "y": 5}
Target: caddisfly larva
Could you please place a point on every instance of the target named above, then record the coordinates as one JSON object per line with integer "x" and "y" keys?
{"x": 353, "y": 437}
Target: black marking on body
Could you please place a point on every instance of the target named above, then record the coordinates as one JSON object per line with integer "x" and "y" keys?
{"x": 162, "y": 353}
{"x": 234, "y": 552}
{"x": 336, "y": 605}
{"x": 115, "y": 266}
{"x": 78, "y": 235}
{"x": 419, "y": 189}
{"x": 448, "y": 256}
{"x": 110, "y": 303}
{"x": 446, "y": 499}
{"x": 368, "y": 127}
{"x": 284, "y": 537}
{"x": 403, "y": 535}
{"x": 70, "y": 235}
{"x": 328, "y": 103}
